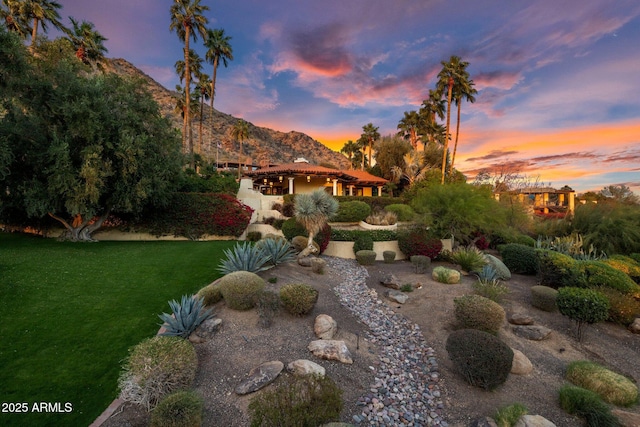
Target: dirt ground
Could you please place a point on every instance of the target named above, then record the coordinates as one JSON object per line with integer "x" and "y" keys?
{"x": 242, "y": 344}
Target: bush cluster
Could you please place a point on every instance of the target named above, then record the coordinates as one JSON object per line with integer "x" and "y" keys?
{"x": 611, "y": 387}
{"x": 339, "y": 235}
{"x": 544, "y": 298}
{"x": 520, "y": 259}
{"x": 180, "y": 409}
{"x": 585, "y": 306}
{"x": 157, "y": 367}
{"x": 623, "y": 308}
{"x": 297, "y": 401}
{"x": 587, "y": 404}
{"x": 217, "y": 183}
{"x": 193, "y": 215}
{"x": 363, "y": 242}
{"x": 481, "y": 358}
{"x": 404, "y": 212}
{"x": 469, "y": 258}
{"x": 354, "y": 211}
{"x": 556, "y": 269}
{"x": 478, "y": 312}
{"x": 508, "y": 416}
{"x": 389, "y": 257}
{"x": 600, "y": 274}
{"x": 626, "y": 264}
{"x": 418, "y": 241}
{"x": 366, "y": 257}
{"x": 493, "y": 289}
{"x": 210, "y": 294}
{"x": 298, "y": 298}
{"x": 375, "y": 203}
{"x": 240, "y": 289}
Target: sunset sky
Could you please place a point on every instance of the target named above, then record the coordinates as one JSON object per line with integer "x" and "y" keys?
{"x": 558, "y": 81}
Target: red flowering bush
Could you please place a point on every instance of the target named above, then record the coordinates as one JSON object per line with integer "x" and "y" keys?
{"x": 417, "y": 241}
{"x": 195, "y": 214}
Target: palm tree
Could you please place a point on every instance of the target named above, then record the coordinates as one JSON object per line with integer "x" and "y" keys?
{"x": 218, "y": 48}
{"x": 240, "y": 132}
{"x": 88, "y": 43}
{"x": 195, "y": 68}
{"x": 313, "y": 211}
{"x": 203, "y": 87}
{"x": 409, "y": 127}
{"x": 462, "y": 90}
{"x": 431, "y": 108}
{"x": 349, "y": 149}
{"x": 181, "y": 108}
{"x": 41, "y": 12}
{"x": 13, "y": 18}
{"x": 370, "y": 134}
{"x": 187, "y": 20}
{"x": 447, "y": 78}
{"x": 413, "y": 169}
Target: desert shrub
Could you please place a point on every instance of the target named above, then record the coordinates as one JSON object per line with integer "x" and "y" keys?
{"x": 278, "y": 250}
{"x": 288, "y": 209}
{"x": 544, "y": 298}
{"x": 352, "y": 235}
{"x": 520, "y": 259}
{"x": 481, "y": 358}
{"x": 572, "y": 245}
{"x": 382, "y": 218}
{"x": 297, "y": 401}
{"x": 635, "y": 257}
{"x": 623, "y": 308}
{"x": 244, "y": 256}
{"x": 210, "y": 294}
{"x": 375, "y": 203}
{"x": 389, "y": 256}
{"x": 599, "y": 274}
{"x": 418, "y": 241}
{"x": 363, "y": 242}
{"x": 588, "y": 405}
{"x": 407, "y": 287}
{"x": 254, "y": 236}
{"x": 239, "y": 289}
{"x": 277, "y": 223}
{"x": 366, "y": 257}
{"x": 354, "y": 211}
{"x": 267, "y": 305}
{"x": 276, "y": 206}
{"x": 186, "y": 316}
{"x": 584, "y": 306}
{"x": 208, "y": 182}
{"x": 292, "y": 228}
{"x": 445, "y": 275}
{"x": 420, "y": 263}
{"x": 155, "y": 368}
{"x": 626, "y": 264}
{"x": 493, "y": 289}
{"x": 469, "y": 258}
{"x": 508, "y": 416}
{"x": 478, "y": 312}
{"x": 298, "y": 299}
{"x": 611, "y": 387}
{"x": 403, "y": 212}
{"x": 180, "y": 409}
{"x": 556, "y": 269}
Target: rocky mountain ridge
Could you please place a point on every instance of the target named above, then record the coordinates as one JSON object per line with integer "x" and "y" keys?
{"x": 264, "y": 145}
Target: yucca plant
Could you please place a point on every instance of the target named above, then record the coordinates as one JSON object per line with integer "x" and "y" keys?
{"x": 187, "y": 316}
{"x": 279, "y": 250}
{"x": 469, "y": 258}
{"x": 245, "y": 257}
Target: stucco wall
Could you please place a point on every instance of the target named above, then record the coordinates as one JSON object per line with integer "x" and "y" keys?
{"x": 345, "y": 249}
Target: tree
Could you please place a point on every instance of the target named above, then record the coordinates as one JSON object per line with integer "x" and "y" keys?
{"x": 462, "y": 90}
{"x": 195, "y": 68}
{"x": 240, "y": 132}
{"x": 41, "y": 13}
{"x": 313, "y": 211}
{"x": 349, "y": 148}
{"x": 390, "y": 152}
{"x": 218, "y": 48}
{"x": 84, "y": 147}
{"x": 88, "y": 42}
{"x": 187, "y": 20}
{"x": 14, "y": 20}
{"x": 620, "y": 193}
{"x": 409, "y": 127}
{"x": 433, "y": 107}
{"x": 203, "y": 87}
{"x": 369, "y": 135}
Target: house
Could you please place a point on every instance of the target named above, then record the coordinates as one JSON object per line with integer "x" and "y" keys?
{"x": 545, "y": 201}
{"x": 301, "y": 177}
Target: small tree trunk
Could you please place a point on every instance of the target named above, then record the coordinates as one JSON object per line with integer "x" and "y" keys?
{"x": 309, "y": 250}
{"x": 80, "y": 230}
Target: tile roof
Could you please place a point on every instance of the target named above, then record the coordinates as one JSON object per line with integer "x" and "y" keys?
{"x": 353, "y": 176}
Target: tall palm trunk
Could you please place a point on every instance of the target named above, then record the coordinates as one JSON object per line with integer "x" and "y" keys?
{"x": 446, "y": 138}
{"x": 455, "y": 147}
{"x": 34, "y": 34}
{"x": 199, "y": 148}
{"x": 370, "y": 143}
{"x": 187, "y": 82}
{"x": 213, "y": 95}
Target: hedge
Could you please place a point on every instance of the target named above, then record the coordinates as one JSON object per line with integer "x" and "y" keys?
{"x": 352, "y": 235}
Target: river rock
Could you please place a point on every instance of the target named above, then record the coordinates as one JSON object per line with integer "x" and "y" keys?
{"x": 390, "y": 281}
{"x": 532, "y": 332}
{"x": 303, "y": 367}
{"x": 325, "y": 327}
{"x": 521, "y": 319}
{"x": 208, "y": 328}
{"x": 331, "y": 350}
{"x": 260, "y": 376}
{"x": 534, "y": 421}
{"x": 521, "y": 364}
{"x": 397, "y": 296}
{"x": 635, "y": 326}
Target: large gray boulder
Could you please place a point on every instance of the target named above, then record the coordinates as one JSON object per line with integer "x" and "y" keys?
{"x": 331, "y": 350}
{"x": 498, "y": 265}
{"x": 260, "y": 377}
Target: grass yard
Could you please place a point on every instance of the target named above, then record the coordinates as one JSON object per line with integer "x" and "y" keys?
{"x": 70, "y": 312}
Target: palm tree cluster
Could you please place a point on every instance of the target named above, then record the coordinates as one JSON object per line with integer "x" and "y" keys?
{"x": 453, "y": 86}
{"x": 26, "y": 17}
{"x": 188, "y": 21}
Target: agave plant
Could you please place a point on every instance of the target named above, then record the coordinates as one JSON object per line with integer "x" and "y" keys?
{"x": 279, "y": 250}
{"x": 187, "y": 316}
{"x": 487, "y": 274}
{"x": 245, "y": 257}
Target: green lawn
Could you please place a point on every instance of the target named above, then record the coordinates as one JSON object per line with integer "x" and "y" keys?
{"x": 70, "y": 311}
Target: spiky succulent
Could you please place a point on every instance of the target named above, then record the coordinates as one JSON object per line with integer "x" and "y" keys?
{"x": 279, "y": 250}
{"x": 187, "y": 315}
{"x": 487, "y": 274}
{"x": 245, "y": 257}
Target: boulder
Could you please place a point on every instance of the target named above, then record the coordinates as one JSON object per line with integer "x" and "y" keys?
{"x": 325, "y": 327}
{"x": 390, "y": 281}
{"x": 397, "y": 296}
{"x": 520, "y": 319}
{"x": 331, "y": 350}
{"x": 532, "y": 332}
{"x": 484, "y": 422}
{"x": 306, "y": 261}
{"x": 534, "y": 421}
{"x": 208, "y": 328}
{"x": 318, "y": 265}
{"x": 260, "y": 376}
{"x": 627, "y": 419}
{"x": 521, "y": 363}
{"x": 635, "y": 326}
{"x": 498, "y": 265}
{"x": 305, "y": 367}
{"x": 445, "y": 275}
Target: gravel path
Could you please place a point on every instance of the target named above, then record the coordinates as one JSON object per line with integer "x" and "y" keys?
{"x": 405, "y": 391}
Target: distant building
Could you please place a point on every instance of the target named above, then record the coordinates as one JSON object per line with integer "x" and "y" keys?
{"x": 545, "y": 201}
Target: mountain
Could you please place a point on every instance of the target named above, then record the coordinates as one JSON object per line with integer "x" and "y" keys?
{"x": 264, "y": 145}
